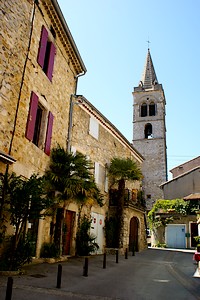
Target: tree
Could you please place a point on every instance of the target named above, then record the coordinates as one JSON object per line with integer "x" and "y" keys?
{"x": 121, "y": 170}
{"x": 25, "y": 199}
{"x": 70, "y": 179}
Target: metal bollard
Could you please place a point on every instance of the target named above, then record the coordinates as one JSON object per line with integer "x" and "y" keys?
{"x": 117, "y": 256}
{"x": 85, "y": 267}
{"x": 126, "y": 253}
{"x": 9, "y": 288}
{"x": 104, "y": 260}
{"x": 59, "y": 275}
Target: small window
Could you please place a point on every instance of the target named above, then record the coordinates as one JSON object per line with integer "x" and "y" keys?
{"x": 152, "y": 109}
{"x": 134, "y": 194}
{"x": 46, "y": 54}
{"x": 127, "y": 196}
{"x": 94, "y": 128}
{"x": 144, "y": 110}
{"x": 148, "y": 131}
{"x": 37, "y": 123}
{"x": 37, "y": 129}
{"x": 99, "y": 174}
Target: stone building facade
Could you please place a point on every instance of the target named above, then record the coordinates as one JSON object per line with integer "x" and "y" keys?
{"x": 96, "y": 137}
{"x": 149, "y": 131}
{"x": 40, "y": 66}
{"x": 25, "y": 81}
{"x": 185, "y": 167}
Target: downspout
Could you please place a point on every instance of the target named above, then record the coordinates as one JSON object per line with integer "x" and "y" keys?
{"x": 71, "y": 106}
{"x": 23, "y": 75}
{"x": 17, "y": 109}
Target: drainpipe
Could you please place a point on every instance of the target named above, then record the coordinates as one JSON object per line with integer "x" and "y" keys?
{"x": 17, "y": 107}
{"x": 23, "y": 75}
{"x": 70, "y": 124}
{"x": 71, "y": 109}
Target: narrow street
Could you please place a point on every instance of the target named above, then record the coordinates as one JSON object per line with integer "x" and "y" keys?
{"x": 151, "y": 274}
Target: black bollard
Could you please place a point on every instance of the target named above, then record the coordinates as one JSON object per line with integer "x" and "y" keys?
{"x": 104, "y": 260}
{"x": 59, "y": 275}
{"x": 85, "y": 267}
{"x": 126, "y": 253}
{"x": 117, "y": 256}
{"x": 9, "y": 288}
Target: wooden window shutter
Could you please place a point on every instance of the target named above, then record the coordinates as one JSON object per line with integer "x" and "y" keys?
{"x": 52, "y": 53}
{"x": 30, "y": 127}
{"x": 49, "y": 134}
{"x": 42, "y": 47}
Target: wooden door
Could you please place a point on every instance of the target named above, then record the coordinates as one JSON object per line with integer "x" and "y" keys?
{"x": 133, "y": 234}
{"x": 194, "y": 232}
{"x": 68, "y": 231}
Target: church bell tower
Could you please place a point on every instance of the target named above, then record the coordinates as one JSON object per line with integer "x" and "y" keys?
{"x": 149, "y": 131}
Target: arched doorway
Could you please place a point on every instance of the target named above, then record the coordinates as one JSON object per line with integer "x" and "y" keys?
{"x": 133, "y": 234}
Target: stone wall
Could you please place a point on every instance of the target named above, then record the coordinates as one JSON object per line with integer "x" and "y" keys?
{"x": 15, "y": 31}
{"x": 18, "y": 21}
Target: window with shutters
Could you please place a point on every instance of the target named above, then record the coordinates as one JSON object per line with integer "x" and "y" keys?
{"x": 94, "y": 127}
{"x": 46, "y": 53}
{"x": 39, "y": 125}
{"x": 99, "y": 175}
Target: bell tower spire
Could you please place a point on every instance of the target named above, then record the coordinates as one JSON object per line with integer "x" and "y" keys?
{"x": 149, "y": 77}
{"x": 149, "y": 131}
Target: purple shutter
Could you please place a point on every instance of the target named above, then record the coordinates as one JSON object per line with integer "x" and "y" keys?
{"x": 49, "y": 134}
{"x": 30, "y": 127}
{"x": 52, "y": 53}
{"x": 42, "y": 47}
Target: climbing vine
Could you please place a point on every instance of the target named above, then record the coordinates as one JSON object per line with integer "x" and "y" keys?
{"x": 170, "y": 207}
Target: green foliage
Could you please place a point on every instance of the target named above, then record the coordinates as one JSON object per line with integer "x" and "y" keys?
{"x": 23, "y": 253}
{"x": 161, "y": 245}
{"x": 112, "y": 232}
{"x": 177, "y": 206}
{"x": 121, "y": 170}
{"x": 85, "y": 242}
{"x": 197, "y": 239}
{"x": 49, "y": 250}
{"x": 124, "y": 168}
{"x": 24, "y": 199}
{"x": 71, "y": 177}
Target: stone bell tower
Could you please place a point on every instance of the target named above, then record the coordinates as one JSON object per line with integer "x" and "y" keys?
{"x": 149, "y": 131}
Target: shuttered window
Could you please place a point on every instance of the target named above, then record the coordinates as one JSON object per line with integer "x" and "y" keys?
{"x": 50, "y": 64}
{"x": 42, "y": 47}
{"x": 49, "y": 134}
{"x": 30, "y": 128}
{"x": 36, "y": 125}
{"x": 94, "y": 128}
{"x": 46, "y": 54}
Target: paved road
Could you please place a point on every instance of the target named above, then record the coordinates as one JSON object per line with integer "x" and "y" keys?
{"x": 151, "y": 274}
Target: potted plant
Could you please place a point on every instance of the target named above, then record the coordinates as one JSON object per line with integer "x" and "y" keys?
{"x": 197, "y": 239}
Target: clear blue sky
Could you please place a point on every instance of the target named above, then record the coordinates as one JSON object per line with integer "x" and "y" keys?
{"x": 112, "y": 36}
